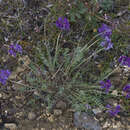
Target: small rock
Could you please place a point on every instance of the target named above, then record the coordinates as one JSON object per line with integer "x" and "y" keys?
{"x": 13, "y": 75}
{"x": 19, "y": 114}
{"x": 43, "y": 129}
{"x": 101, "y": 119}
{"x": 96, "y": 111}
{"x": 51, "y": 118}
{"x": 83, "y": 120}
{"x": 31, "y": 116}
{"x": 107, "y": 124}
{"x": 115, "y": 93}
{"x": 57, "y": 112}
{"x": 0, "y": 120}
{"x": 10, "y": 126}
{"x": 36, "y": 93}
{"x": 0, "y": 95}
{"x": 61, "y": 105}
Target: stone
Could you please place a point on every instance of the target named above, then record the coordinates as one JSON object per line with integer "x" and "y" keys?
{"x": 36, "y": 93}
{"x": 31, "y": 116}
{"x": 57, "y": 112}
{"x": 43, "y": 129}
{"x": 51, "y": 118}
{"x": 107, "y": 124}
{"x": 1, "y": 121}
{"x": 83, "y": 120}
{"x": 61, "y": 105}
{"x": 10, "y": 126}
{"x": 96, "y": 111}
{"x": 0, "y": 95}
{"x": 115, "y": 93}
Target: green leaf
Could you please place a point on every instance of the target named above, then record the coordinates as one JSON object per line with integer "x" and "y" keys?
{"x": 82, "y": 11}
{"x": 78, "y": 15}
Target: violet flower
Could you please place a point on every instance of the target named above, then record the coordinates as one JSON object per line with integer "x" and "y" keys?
{"x": 14, "y": 48}
{"x": 4, "y": 74}
{"x": 63, "y": 23}
{"x": 18, "y": 48}
{"x": 105, "y": 30}
{"x": 113, "y": 111}
{"x": 107, "y": 44}
{"x": 124, "y": 60}
{"x": 106, "y": 85}
{"x": 87, "y": 106}
{"x": 127, "y": 90}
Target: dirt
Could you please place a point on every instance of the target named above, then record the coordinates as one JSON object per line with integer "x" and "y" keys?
{"x": 20, "y": 109}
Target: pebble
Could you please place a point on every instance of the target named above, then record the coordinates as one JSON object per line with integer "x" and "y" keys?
{"x": 57, "y": 112}
{"x": 115, "y": 93}
{"x": 0, "y": 120}
{"x": 0, "y": 95}
{"x": 83, "y": 120}
{"x": 106, "y": 124}
{"x": 96, "y": 111}
{"x": 10, "y": 126}
{"x": 31, "y": 116}
{"x": 61, "y": 105}
{"x": 43, "y": 129}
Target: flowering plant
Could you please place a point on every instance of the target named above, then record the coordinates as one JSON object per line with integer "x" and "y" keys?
{"x": 113, "y": 111}
{"x": 14, "y": 48}
{"x": 4, "y": 74}
{"x": 62, "y": 23}
{"x": 106, "y": 32}
{"x": 127, "y": 90}
{"x": 106, "y": 85}
{"x": 124, "y": 60}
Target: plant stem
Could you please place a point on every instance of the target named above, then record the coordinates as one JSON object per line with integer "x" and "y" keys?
{"x": 85, "y": 60}
{"x": 56, "y": 51}
{"x": 91, "y": 41}
{"x": 111, "y": 73}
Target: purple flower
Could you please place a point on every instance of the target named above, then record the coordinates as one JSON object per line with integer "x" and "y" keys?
{"x": 107, "y": 44}
{"x": 87, "y": 106}
{"x": 18, "y": 48}
{"x": 63, "y": 23}
{"x": 106, "y": 85}
{"x": 14, "y": 48}
{"x": 12, "y": 53}
{"x": 127, "y": 90}
{"x": 106, "y": 30}
{"x": 4, "y": 74}
{"x": 113, "y": 111}
{"x": 124, "y": 60}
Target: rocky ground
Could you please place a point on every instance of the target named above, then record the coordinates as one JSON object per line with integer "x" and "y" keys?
{"x": 18, "y": 112}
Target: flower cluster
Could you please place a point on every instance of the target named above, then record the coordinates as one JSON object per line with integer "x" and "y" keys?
{"x": 107, "y": 44}
{"x": 14, "y": 48}
{"x": 106, "y": 85}
{"x": 126, "y": 89}
{"x": 63, "y": 23}
{"x": 113, "y": 111}
{"x": 4, "y": 74}
{"x": 106, "y": 33}
{"x": 124, "y": 60}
